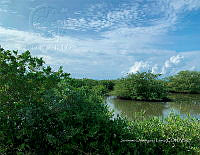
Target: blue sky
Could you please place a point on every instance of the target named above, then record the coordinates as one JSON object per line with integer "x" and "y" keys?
{"x": 105, "y": 39}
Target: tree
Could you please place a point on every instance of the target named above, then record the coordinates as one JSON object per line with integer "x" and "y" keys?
{"x": 26, "y": 96}
{"x": 141, "y": 86}
{"x": 23, "y": 77}
{"x": 42, "y": 112}
{"x": 185, "y": 82}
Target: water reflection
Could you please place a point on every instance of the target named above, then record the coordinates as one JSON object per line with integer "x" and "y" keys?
{"x": 182, "y": 104}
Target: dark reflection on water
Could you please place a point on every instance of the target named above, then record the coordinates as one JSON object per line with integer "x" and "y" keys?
{"x": 182, "y": 104}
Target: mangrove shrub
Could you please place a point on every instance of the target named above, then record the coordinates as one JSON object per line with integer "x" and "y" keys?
{"x": 185, "y": 82}
{"x": 141, "y": 86}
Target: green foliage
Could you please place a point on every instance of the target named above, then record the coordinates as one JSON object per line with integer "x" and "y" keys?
{"x": 42, "y": 112}
{"x": 46, "y": 112}
{"x": 141, "y": 86}
{"x": 23, "y": 77}
{"x": 185, "y": 82}
{"x": 84, "y": 82}
{"x": 105, "y": 85}
{"x": 173, "y": 135}
{"x": 109, "y": 84}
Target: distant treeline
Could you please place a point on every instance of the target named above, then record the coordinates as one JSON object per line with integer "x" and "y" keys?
{"x": 145, "y": 86}
{"x": 104, "y": 85}
{"x": 149, "y": 87}
{"x": 184, "y": 82}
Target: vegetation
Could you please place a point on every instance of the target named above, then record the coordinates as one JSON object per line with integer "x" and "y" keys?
{"x": 41, "y": 112}
{"x": 105, "y": 86}
{"x": 141, "y": 86}
{"x": 109, "y": 84}
{"x": 185, "y": 82}
{"x": 172, "y": 135}
{"x": 46, "y": 112}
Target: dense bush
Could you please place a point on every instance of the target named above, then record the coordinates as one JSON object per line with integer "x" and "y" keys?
{"x": 41, "y": 112}
{"x": 109, "y": 84}
{"x": 105, "y": 85}
{"x": 185, "y": 82}
{"x": 173, "y": 135}
{"x": 141, "y": 86}
{"x": 84, "y": 82}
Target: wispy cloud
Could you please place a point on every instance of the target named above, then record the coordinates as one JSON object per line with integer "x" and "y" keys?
{"x": 184, "y": 5}
{"x": 104, "y": 17}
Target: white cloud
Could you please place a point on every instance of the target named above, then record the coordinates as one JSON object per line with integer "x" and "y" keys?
{"x": 135, "y": 14}
{"x": 139, "y": 66}
{"x": 147, "y": 66}
{"x": 172, "y": 65}
{"x": 182, "y": 5}
{"x": 168, "y": 66}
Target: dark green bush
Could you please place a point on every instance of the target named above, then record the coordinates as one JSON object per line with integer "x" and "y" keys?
{"x": 141, "y": 86}
{"x": 105, "y": 85}
{"x": 84, "y": 82}
{"x": 109, "y": 84}
{"x": 185, "y": 82}
{"x": 41, "y": 112}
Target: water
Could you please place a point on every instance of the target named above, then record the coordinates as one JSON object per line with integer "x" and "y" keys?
{"x": 182, "y": 104}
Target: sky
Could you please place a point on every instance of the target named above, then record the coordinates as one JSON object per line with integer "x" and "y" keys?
{"x": 105, "y": 39}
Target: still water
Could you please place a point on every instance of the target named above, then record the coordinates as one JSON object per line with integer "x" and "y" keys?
{"x": 182, "y": 104}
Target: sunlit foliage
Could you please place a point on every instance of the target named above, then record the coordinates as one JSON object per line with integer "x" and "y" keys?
{"x": 185, "y": 82}
{"x": 141, "y": 86}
